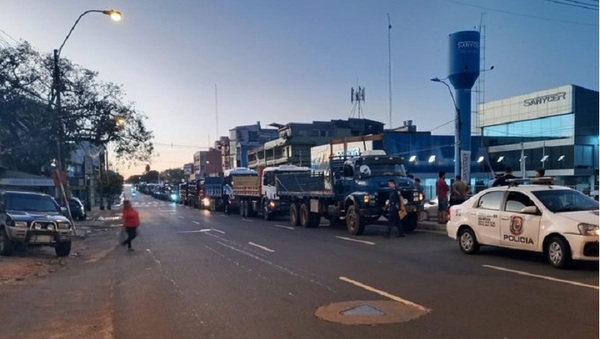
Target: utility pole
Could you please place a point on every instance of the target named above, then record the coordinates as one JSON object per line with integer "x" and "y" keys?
{"x": 390, "y": 65}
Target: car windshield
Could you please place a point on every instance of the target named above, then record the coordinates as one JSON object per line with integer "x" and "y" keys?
{"x": 566, "y": 201}
{"x": 376, "y": 170}
{"x": 31, "y": 203}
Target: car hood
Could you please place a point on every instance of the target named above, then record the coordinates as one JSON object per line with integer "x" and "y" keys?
{"x": 30, "y": 216}
{"x": 590, "y": 217}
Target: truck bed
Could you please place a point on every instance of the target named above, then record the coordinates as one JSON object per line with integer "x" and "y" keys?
{"x": 246, "y": 186}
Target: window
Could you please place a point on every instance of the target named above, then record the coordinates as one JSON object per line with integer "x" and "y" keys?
{"x": 491, "y": 201}
{"x": 252, "y": 136}
{"x": 516, "y": 201}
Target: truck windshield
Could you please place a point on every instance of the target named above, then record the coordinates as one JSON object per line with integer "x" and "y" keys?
{"x": 31, "y": 203}
{"x": 375, "y": 170}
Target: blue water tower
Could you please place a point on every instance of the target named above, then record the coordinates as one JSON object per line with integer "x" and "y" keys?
{"x": 464, "y": 71}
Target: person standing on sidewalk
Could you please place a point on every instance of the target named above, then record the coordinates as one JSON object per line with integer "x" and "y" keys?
{"x": 459, "y": 191}
{"x": 441, "y": 188}
{"x": 131, "y": 221}
{"x": 394, "y": 209}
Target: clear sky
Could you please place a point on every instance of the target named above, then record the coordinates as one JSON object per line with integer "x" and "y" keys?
{"x": 296, "y": 60}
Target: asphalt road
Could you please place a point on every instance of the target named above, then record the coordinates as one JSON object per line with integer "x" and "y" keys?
{"x": 194, "y": 274}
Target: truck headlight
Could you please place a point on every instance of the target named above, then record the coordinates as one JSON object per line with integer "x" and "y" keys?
{"x": 588, "y": 229}
{"x": 366, "y": 199}
{"x": 205, "y": 202}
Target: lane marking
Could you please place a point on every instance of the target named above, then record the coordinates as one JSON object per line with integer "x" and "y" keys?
{"x": 196, "y": 222}
{"x": 286, "y": 227}
{"x": 356, "y": 240}
{"x": 261, "y": 247}
{"x": 216, "y": 230}
{"x": 385, "y": 294}
{"x": 247, "y": 220}
{"x": 541, "y": 277}
{"x": 196, "y": 231}
{"x": 180, "y": 217}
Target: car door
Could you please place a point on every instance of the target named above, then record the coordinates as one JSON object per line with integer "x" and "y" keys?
{"x": 484, "y": 217}
{"x": 517, "y": 229}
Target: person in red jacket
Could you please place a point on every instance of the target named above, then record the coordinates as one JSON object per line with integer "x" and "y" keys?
{"x": 131, "y": 221}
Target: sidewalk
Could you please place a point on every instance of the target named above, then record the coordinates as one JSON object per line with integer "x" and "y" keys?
{"x": 97, "y": 218}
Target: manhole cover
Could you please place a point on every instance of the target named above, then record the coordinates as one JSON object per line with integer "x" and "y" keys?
{"x": 362, "y": 310}
{"x": 375, "y": 312}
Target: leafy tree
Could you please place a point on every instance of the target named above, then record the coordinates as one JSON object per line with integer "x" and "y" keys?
{"x": 112, "y": 184}
{"x": 92, "y": 110}
{"x": 173, "y": 175}
{"x": 151, "y": 176}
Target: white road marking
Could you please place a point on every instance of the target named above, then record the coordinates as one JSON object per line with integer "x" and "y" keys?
{"x": 247, "y": 220}
{"x": 216, "y": 230}
{"x": 355, "y": 240}
{"x": 197, "y": 231}
{"x": 385, "y": 294}
{"x": 180, "y": 217}
{"x": 541, "y": 277}
{"x": 286, "y": 227}
{"x": 196, "y": 222}
{"x": 261, "y": 247}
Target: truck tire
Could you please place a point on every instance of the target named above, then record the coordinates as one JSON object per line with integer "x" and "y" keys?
{"x": 354, "y": 222}
{"x": 63, "y": 249}
{"x": 304, "y": 216}
{"x": 266, "y": 215}
{"x": 6, "y": 246}
{"x": 409, "y": 223}
{"x": 294, "y": 214}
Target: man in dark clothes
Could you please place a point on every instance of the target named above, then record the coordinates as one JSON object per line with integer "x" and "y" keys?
{"x": 502, "y": 181}
{"x": 394, "y": 208}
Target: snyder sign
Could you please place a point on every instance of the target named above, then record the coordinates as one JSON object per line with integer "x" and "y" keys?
{"x": 555, "y": 101}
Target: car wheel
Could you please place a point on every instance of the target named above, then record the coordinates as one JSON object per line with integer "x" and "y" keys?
{"x": 294, "y": 216}
{"x": 63, "y": 249}
{"x": 354, "y": 223}
{"x": 558, "y": 252}
{"x": 467, "y": 241}
{"x": 6, "y": 246}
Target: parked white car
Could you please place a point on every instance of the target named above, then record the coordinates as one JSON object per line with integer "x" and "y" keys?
{"x": 558, "y": 221}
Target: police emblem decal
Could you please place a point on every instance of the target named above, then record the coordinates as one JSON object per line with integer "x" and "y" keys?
{"x": 516, "y": 225}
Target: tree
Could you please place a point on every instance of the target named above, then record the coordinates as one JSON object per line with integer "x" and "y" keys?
{"x": 173, "y": 175}
{"x": 92, "y": 110}
{"x": 112, "y": 184}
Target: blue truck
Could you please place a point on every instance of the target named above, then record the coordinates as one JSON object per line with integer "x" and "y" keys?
{"x": 348, "y": 187}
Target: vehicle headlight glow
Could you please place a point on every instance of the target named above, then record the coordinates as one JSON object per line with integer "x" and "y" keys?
{"x": 588, "y": 229}
{"x": 272, "y": 204}
{"x": 21, "y": 223}
{"x": 366, "y": 199}
{"x": 421, "y": 196}
{"x": 206, "y": 202}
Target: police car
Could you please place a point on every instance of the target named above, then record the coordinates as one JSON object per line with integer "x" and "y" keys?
{"x": 558, "y": 221}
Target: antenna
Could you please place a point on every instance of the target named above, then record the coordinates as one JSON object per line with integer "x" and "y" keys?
{"x": 356, "y": 97}
{"x": 390, "y": 64}
{"x": 217, "y": 110}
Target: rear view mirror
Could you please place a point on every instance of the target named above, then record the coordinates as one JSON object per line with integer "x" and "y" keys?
{"x": 530, "y": 210}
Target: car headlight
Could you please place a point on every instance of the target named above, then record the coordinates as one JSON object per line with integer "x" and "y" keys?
{"x": 21, "y": 223}
{"x": 588, "y": 229}
{"x": 64, "y": 225}
{"x": 366, "y": 199}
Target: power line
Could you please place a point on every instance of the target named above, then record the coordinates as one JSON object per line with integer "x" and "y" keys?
{"x": 522, "y": 15}
{"x": 574, "y": 3}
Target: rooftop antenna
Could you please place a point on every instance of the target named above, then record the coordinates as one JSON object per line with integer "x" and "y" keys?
{"x": 217, "y": 110}
{"x": 356, "y": 97}
{"x": 390, "y": 64}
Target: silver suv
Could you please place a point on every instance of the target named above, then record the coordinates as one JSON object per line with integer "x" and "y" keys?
{"x": 33, "y": 219}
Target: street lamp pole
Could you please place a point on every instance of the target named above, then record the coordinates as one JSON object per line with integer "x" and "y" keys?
{"x": 457, "y": 129}
{"x": 116, "y": 16}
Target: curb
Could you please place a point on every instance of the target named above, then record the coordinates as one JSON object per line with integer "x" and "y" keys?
{"x": 432, "y": 226}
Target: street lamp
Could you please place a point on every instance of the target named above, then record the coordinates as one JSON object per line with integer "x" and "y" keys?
{"x": 457, "y": 128}
{"x": 114, "y": 15}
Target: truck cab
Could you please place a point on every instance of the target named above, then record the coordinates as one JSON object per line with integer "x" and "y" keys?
{"x": 270, "y": 202}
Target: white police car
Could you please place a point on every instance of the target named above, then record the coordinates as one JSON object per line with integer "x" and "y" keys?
{"x": 558, "y": 221}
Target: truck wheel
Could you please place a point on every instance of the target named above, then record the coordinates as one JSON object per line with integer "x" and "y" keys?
{"x": 63, "y": 249}
{"x": 266, "y": 213}
{"x": 294, "y": 216}
{"x": 558, "y": 252}
{"x": 304, "y": 215}
{"x": 354, "y": 222}
{"x": 409, "y": 223}
{"x": 6, "y": 246}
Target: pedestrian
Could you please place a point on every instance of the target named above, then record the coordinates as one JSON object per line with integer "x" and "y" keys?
{"x": 418, "y": 185}
{"x": 459, "y": 191}
{"x": 395, "y": 204}
{"x": 503, "y": 181}
{"x": 131, "y": 221}
{"x": 226, "y": 203}
{"x": 442, "y": 188}
{"x": 540, "y": 172}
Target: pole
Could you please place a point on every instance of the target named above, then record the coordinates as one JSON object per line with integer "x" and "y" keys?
{"x": 390, "y": 65}
{"x": 217, "y": 111}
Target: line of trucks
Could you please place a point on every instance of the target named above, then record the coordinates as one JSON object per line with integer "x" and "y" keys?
{"x": 346, "y": 183}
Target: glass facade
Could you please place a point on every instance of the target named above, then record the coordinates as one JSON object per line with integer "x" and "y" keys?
{"x": 558, "y": 126}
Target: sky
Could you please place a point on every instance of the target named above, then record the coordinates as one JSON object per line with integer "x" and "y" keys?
{"x": 296, "y": 60}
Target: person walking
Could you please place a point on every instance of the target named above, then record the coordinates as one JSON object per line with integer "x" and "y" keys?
{"x": 441, "y": 189}
{"x": 459, "y": 191}
{"x": 131, "y": 221}
{"x": 394, "y": 206}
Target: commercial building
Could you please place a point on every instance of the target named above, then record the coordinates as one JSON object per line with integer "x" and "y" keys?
{"x": 244, "y": 138}
{"x": 207, "y": 163}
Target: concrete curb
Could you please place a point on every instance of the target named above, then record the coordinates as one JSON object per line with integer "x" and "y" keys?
{"x": 432, "y": 226}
